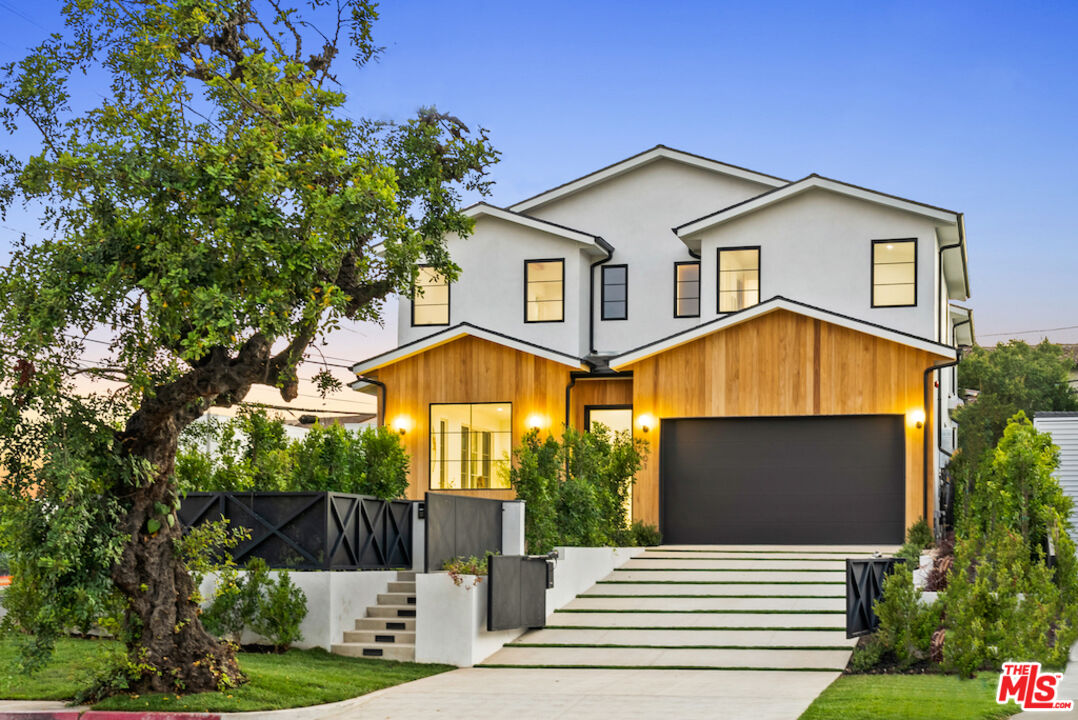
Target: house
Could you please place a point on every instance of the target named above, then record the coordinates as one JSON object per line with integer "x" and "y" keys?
{"x": 1063, "y": 427}
{"x": 786, "y": 348}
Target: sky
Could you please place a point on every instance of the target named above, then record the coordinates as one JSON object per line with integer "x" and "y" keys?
{"x": 972, "y": 106}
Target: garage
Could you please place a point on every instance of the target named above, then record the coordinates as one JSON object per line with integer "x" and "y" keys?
{"x": 783, "y": 480}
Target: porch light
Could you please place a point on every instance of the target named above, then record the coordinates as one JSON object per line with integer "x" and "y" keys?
{"x": 916, "y": 417}
{"x": 536, "y": 421}
{"x": 646, "y": 422}
{"x": 402, "y": 423}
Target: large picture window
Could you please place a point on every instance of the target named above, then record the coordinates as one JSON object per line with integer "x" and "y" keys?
{"x": 615, "y": 299}
{"x": 739, "y": 278}
{"x": 470, "y": 444}
{"x": 544, "y": 290}
{"x": 430, "y": 298}
{"x": 894, "y": 273}
{"x": 687, "y": 289}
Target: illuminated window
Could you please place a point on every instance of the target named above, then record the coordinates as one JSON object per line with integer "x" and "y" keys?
{"x": 470, "y": 445}
{"x": 687, "y": 289}
{"x": 894, "y": 273}
{"x": 430, "y": 298}
{"x": 739, "y": 278}
{"x": 544, "y": 290}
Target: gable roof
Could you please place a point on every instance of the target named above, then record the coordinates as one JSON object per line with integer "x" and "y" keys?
{"x": 630, "y": 163}
{"x": 464, "y": 329}
{"x": 593, "y": 243}
{"x": 778, "y": 302}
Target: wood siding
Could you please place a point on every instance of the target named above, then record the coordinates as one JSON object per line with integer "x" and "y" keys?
{"x": 781, "y": 363}
{"x": 595, "y": 391}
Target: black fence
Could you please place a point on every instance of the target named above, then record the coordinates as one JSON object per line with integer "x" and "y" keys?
{"x": 461, "y": 526}
{"x": 311, "y": 530}
{"x": 864, "y": 585}
{"x": 516, "y": 591}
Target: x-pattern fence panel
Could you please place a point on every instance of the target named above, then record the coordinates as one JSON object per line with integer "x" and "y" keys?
{"x": 864, "y": 585}
{"x": 311, "y": 531}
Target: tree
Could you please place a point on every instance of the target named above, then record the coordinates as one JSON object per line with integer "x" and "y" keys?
{"x": 217, "y": 212}
{"x": 1009, "y": 378}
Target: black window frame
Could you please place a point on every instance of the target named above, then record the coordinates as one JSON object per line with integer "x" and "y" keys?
{"x": 872, "y": 272}
{"x": 619, "y": 406}
{"x": 718, "y": 277}
{"x": 602, "y": 291}
{"x": 448, "y": 303}
{"x": 492, "y": 459}
{"x": 699, "y": 287}
{"x": 544, "y": 260}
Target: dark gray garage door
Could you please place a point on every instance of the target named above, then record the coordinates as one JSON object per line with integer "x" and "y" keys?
{"x": 831, "y": 479}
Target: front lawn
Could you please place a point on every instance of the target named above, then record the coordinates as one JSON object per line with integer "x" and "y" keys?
{"x": 295, "y": 679}
{"x": 909, "y": 697}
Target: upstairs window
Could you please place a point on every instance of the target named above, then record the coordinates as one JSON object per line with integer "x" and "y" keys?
{"x": 615, "y": 292}
{"x": 544, "y": 290}
{"x": 739, "y": 278}
{"x": 430, "y": 298}
{"x": 687, "y": 289}
{"x": 894, "y": 273}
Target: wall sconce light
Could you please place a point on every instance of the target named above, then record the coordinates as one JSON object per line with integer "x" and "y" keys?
{"x": 536, "y": 421}
{"x": 646, "y": 422}
{"x": 916, "y": 417}
{"x": 402, "y": 424}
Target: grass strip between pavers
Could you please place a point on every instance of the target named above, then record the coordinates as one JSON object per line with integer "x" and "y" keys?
{"x": 735, "y": 612}
{"x": 782, "y": 597}
{"x": 692, "y": 627}
{"x": 720, "y": 582}
{"x": 657, "y": 667}
{"x": 615, "y": 646}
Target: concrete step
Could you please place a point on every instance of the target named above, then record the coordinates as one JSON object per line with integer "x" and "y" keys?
{"x": 800, "y": 549}
{"x": 371, "y": 650}
{"x": 837, "y": 604}
{"x": 646, "y": 562}
{"x": 379, "y": 637}
{"x": 403, "y": 586}
{"x": 641, "y": 589}
{"x": 384, "y": 624}
{"x": 395, "y": 598}
{"x": 406, "y": 575}
{"x": 727, "y": 576}
{"x": 669, "y": 658}
{"x": 775, "y": 637}
{"x": 391, "y": 611}
{"x": 834, "y": 621}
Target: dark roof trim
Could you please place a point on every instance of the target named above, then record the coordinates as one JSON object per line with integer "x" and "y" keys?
{"x": 598, "y": 238}
{"x": 1055, "y": 413}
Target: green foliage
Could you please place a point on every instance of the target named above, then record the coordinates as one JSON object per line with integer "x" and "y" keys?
{"x": 645, "y": 535}
{"x": 230, "y": 610}
{"x": 458, "y": 567}
{"x": 906, "y": 623}
{"x": 920, "y": 535}
{"x": 252, "y": 453}
{"x": 1009, "y": 378}
{"x": 203, "y": 548}
{"x": 576, "y": 489}
{"x": 281, "y": 609}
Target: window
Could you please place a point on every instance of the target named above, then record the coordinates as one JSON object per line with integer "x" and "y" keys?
{"x": 544, "y": 290}
{"x": 894, "y": 273}
{"x": 687, "y": 289}
{"x": 430, "y": 298}
{"x": 615, "y": 297}
{"x": 470, "y": 445}
{"x": 618, "y": 418}
{"x": 739, "y": 278}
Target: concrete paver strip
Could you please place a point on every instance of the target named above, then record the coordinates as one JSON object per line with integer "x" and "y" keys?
{"x": 584, "y": 602}
{"x": 668, "y": 658}
{"x": 645, "y": 589}
{"x": 736, "y": 620}
{"x": 727, "y": 576}
{"x": 690, "y": 637}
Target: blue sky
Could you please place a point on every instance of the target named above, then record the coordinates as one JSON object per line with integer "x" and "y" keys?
{"x": 970, "y": 106}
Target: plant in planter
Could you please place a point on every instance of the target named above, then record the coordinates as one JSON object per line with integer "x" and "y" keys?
{"x": 458, "y": 567}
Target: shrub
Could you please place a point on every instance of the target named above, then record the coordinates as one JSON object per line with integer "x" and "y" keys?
{"x": 906, "y": 623}
{"x": 282, "y": 606}
{"x": 644, "y": 535}
{"x": 920, "y": 535}
{"x": 229, "y": 611}
{"x": 458, "y": 567}
{"x": 580, "y": 514}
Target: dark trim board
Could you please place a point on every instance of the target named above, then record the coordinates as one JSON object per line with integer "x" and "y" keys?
{"x": 826, "y": 479}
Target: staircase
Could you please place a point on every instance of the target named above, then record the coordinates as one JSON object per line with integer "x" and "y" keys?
{"x": 703, "y": 607}
{"x": 388, "y": 631}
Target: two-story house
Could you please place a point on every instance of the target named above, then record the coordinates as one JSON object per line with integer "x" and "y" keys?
{"x": 784, "y": 347}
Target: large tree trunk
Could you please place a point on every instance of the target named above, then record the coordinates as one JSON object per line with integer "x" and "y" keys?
{"x": 163, "y": 617}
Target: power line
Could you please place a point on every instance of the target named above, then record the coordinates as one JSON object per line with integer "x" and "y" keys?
{"x": 1027, "y": 332}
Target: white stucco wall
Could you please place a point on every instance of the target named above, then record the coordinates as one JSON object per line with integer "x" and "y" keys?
{"x": 816, "y": 248}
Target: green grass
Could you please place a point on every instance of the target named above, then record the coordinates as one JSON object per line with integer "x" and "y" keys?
{"x": 909, "y": 697}
{"x": 297, "y": 678}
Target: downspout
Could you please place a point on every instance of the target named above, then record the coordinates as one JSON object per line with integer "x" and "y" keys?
{"x": 939, "y": 393}
{"x": 591, "y": 305}
{"x": 925, "y": 443}
{"x": 958, "y": 244}
{"x": 382, "y": 396}
{"x": 569, "y": 393}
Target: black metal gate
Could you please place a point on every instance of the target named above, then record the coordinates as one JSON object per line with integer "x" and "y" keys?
{"x": 461, "y": 526}
{"x": 864, "y": 586}
{"x": 516, "y": 592}
{"x": 311, "y": 531}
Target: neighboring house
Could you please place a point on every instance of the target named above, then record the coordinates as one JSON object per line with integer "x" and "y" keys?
{"x": 1071, "y": 351}
{"x": 1063, "y": 427}
{"x": 773, "y": 341}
